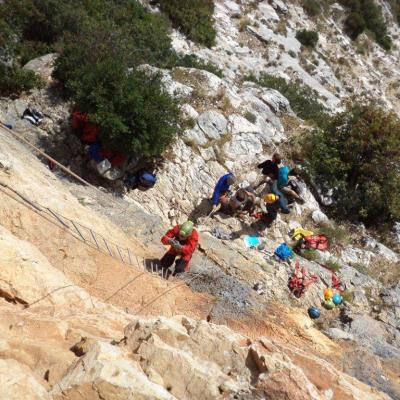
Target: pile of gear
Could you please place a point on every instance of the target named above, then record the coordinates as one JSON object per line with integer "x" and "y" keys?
{"x": 108, "y": 163}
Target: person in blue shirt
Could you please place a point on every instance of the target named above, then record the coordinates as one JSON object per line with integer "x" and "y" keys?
{"x": 222, "y": 188}
{"x": 281, "y": 187}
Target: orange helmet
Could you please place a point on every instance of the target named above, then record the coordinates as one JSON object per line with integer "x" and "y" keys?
{"x": 328, "y": 293}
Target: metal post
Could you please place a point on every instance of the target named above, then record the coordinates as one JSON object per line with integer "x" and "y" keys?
{"x": 105, "y": 242}
{"x": 137, "y": 262}
{"x": 80, "y": 234}
{"x": 120, "y": 254}
{"x": 94, "y": 238}
{"x": 57, "y": 217}
{"x": 129, "y": 255}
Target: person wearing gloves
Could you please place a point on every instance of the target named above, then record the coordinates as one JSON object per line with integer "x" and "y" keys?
{"x": 183, "y": 240}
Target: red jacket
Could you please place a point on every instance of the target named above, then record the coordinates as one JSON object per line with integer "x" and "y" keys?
{"x": 188, "y": 246}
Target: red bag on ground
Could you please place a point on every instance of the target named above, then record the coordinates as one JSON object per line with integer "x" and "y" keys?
{"x": 79, "y": 120}
{"x": 316, "y": 242}
{"x": 90, "y": 133}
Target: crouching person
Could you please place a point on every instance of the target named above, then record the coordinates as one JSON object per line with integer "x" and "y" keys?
{"x": 269, "y": 205}
{"x": 183, "y": 240}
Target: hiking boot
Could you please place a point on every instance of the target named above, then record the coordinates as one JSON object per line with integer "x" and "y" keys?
{"x": 300, "y": 200}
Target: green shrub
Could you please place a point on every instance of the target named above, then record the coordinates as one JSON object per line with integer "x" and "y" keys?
{"x": 366, "y": 14}
{"x": 303, "y": 99}
{"x": 309, "y": 254}
{"x": 192, "y": 61}
{"x": 17, "y": 80}
{"x": 395, "y": 4}
{"x": 354, "y": 25}
{"x": 332, "y": 265}
{"x": 307, "y": 38}
{"x": 311, "y": 7}
{"x": 135, "y": 113}
{"x": 336, "y": 234}
{"x": 194, "y": 18}
{"x": 250, "y": 117}
{"x": 100, "y": 45}
{"x": 355, "y": 159}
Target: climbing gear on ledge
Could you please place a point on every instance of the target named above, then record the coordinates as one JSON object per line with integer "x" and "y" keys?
{"x": 283, "y": 252}
{"x": 337, "y": 299}
{"x": 328, "y": 304}
{"x": 314, "y": 312}
{"x": 299, "y": 282}
{"x": 328, "y": 294}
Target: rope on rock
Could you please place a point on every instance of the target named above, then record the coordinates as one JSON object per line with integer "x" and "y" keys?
{"x": 65, "y": 226}
{"x": 43, "y": 154}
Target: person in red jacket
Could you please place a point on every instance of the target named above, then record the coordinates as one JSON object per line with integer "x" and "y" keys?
{"x": 183, "y": 240}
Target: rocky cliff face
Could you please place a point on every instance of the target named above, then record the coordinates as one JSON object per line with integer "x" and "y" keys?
{"x": 73, "y": 320}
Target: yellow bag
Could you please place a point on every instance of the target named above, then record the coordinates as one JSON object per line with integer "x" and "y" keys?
{"x": 300, "y": 233}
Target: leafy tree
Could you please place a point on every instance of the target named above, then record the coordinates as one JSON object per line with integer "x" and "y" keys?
{"x": 194, "y": 18}
{"x": 135, "y": 113}
{"x": 307, "y": 38}
{"x": 356, "y": 159}
{"x": 100, "y": 43}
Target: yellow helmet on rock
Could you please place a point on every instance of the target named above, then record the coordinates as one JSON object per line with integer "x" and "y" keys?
{"x": 270, "y": 198}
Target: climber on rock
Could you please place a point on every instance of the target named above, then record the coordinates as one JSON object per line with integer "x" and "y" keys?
{"x": 269, "y": 169}
{"x": 269, "y": 206}
{"x": 242, "y": 202}
{"x": 285, "y": 185}
{"x": 222, "y": 190}
{"x": 183, "y": 240}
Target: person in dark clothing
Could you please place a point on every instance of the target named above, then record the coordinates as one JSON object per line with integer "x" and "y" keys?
{"x": 270, "y": 169}
{"x": 269, "y": 205}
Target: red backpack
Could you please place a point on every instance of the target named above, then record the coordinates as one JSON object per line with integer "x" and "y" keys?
{"x": 316, "y": 242}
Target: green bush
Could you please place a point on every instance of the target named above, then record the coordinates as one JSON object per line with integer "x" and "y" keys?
{"x": 192, "y": 61}
{"x": 309, "y": 254}
{"x": 332, "y": 265}
{"x": 355, "y": 160}
{"x": 14, "y": 81}
{"x": 250, "y": 117}
{"x": 307, "y": 38}
{"x": 395, "y": 4}
{"x": 194, "y": 18}
{"x": 336, "y": 234}
{"x": 354, "y": 25}
{"x": 303, "y": 99}
{"x": 311, "y": 7}
{"x": 366, "y": 14}
{"x": 135, "y": 113}
{"x": 100, "y": 45}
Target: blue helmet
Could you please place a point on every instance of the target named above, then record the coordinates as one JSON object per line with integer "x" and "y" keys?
{"x": 314, "y": 312}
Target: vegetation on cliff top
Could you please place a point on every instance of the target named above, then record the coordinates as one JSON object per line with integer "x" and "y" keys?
{"x": 355, "y": 160}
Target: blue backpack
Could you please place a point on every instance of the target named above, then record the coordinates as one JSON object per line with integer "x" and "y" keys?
{"x": 283, "y": 252}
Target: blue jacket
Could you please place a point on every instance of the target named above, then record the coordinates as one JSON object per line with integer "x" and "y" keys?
{"x": 221, "y": 187}
{"x": 283, "y": 176}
